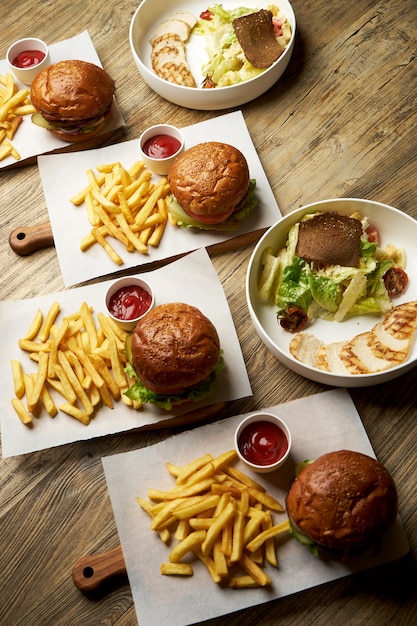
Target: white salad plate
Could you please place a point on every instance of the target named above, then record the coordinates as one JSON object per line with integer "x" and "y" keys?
{"x": 151, "y": 13}
{"x": 396, "y": 228}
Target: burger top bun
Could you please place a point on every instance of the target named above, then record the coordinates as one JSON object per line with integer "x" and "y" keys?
{"x": 72, "y": 90}
{"x": 210, "y": 179}
{"x": 174, "y": 347}
{"x": 343, "y": 500}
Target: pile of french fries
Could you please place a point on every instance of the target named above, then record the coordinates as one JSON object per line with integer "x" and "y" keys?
{"x": 124, "y": 205}
{"x": 83, "y": 361}
{"x": 220, "y": 516}
{"x": 14, "y": 104}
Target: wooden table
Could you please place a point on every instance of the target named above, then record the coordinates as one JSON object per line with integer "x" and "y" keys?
{"x": 340, "y": 123}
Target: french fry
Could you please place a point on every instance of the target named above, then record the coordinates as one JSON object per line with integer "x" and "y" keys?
{"x": 176, "y": 569}
{"x": 266, "y": 499}
{"x": 126, "y": 205}
{"x": 48, "y": 402}
{"x": 21, "y": 412}
{"x": 254, "y": 570}
{"x": 50, "y": 318}
{"x": 231, "y": 532}
{"x": 40, "y": 378}
{"x": 116, "y": 258}
{"x": 18, "y": 382}
{"x": 104, "y": 372}
{"x": 192, "y": 541}
{"x": 75, "y": 383}
{"x": 77, "y": 358}
{"x": 245, "y": 581}
{"x": 216, "y": 527}
{"x": 74, "y": 411}
{"x": 189, "y": 469}
{"x": 14, "y": 104}
{"x": 274, "y": 531}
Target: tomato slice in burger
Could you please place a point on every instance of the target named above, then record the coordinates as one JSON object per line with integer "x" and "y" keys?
{"x": 218, "y": 218}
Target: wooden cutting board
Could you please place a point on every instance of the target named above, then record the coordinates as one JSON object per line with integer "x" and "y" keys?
{"x": 25, "y": 240}
{"x": 91, "y": 571}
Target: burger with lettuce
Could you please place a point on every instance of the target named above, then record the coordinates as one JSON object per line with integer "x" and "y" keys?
{"x": 212, "y": 187}
{"x": 174, "y": 356}
{"x": 341, "y": 503}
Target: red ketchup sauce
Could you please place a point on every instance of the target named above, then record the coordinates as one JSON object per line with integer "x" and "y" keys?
{"x": 262, "y": 443}
{"x": 161, "y": 146}
{"x": 28, "y": 58}
{"x": 130, "y": 302}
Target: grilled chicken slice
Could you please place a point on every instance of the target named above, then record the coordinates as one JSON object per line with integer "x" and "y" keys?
{"x": 386, "y": 345}
{"x": 168, "y": 49}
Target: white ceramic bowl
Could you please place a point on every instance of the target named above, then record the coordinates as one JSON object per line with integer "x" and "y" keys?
{"x": 160, "y": 166}
{"x": 394, "y": 227}
{"x": 120, "y": 283}
{"x": 27, "y": 74}
{"x": 264, "y": 443}
{"x": 151, "y": 13}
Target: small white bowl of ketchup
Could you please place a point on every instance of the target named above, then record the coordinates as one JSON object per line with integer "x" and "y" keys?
{"x": 160, "y": 146}
{"x": 27, "y": 57}
{"x": 263, "y": 442}
{"x": 128, "y": 300}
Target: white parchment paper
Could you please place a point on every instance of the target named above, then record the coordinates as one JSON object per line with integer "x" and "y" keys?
{"x": 318, "y": 424}
{"x": 64, "y": 175}
{"x": 193, "y": 280}
{"x": 31, "y": 140}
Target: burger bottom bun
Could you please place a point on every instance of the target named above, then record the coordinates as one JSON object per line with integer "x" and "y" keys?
{"x": 82, "y": 136}
{"x": 343, "y": 501}
{"x": 174, "y": 347}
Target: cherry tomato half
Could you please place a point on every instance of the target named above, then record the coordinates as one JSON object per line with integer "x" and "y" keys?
{"x": 293, "y": 319}
{"x": 373, "y": 234}
{"x": 395, "y": 281}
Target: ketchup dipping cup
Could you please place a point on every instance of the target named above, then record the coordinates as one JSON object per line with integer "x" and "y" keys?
{"x": 160, "y": 146}
{"x": 128, "y": 300}
{"x": 263, "y": 442}
{"x": 27, "y": 57}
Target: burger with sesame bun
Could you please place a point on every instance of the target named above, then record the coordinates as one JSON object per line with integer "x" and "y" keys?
{"x": 211, "y": 186}
{"x": 341, "y": 503}
{"x": 73, "y": 99}
{"x": 174, "y": 356}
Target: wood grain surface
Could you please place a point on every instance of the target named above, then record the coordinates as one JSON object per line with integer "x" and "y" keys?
{"x": 340, "y": 123}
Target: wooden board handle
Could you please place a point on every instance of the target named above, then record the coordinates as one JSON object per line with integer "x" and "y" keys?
{"x": 27, "y": 239}
{"x": 90, "y": 571}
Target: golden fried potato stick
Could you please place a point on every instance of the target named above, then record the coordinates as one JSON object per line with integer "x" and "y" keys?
{"x": 274, "y": 531}
{"x": 116, "y": 258}
{"x": 216, "y": 528}
{"x": 75, "y": 383}
{"x": 189, "y": 469}
{"x": 245, "y": 581}
{"x": 254, "y": 570}
{"x": 48, "y": 402}
{"x": 176, "y": 569}
{"x": 39, "y": 381}
{"x": 73, "y": 411}
{"x": 50, "y": 318}
{"x": 21, "y": 412}
{"x": 266, "y": 500}
{"x": 18, "y": 382}
{"x": 191, "y": 542}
